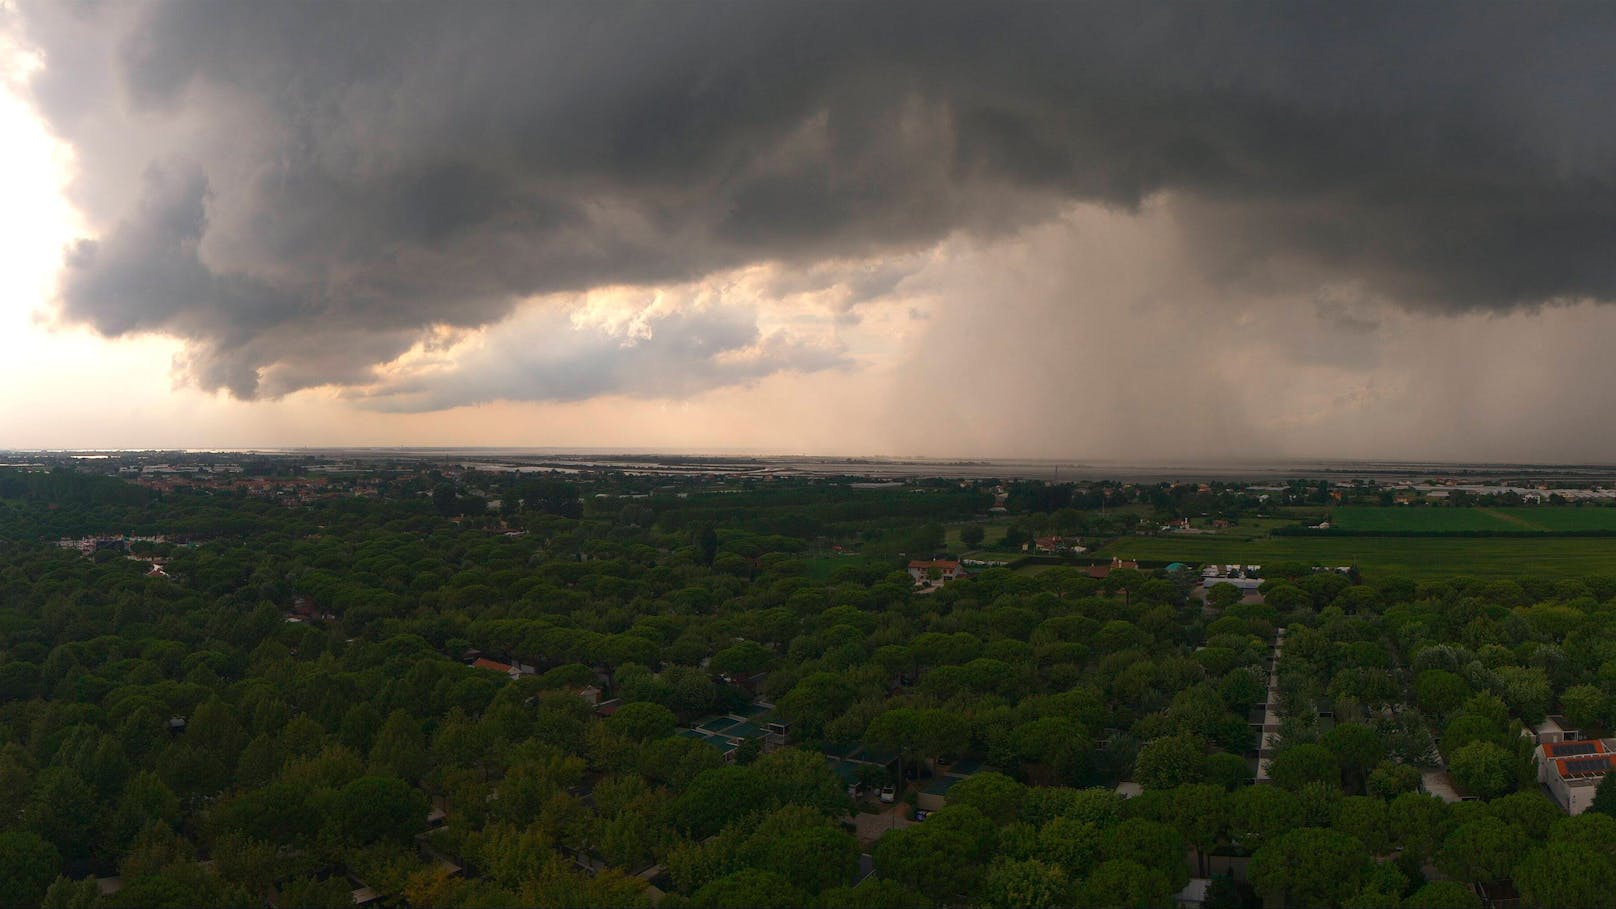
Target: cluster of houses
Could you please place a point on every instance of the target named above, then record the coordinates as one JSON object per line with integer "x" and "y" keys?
{"x": 305, "y": 611}
{"x": 118, "y": 542}
{"x": 1001, "y": 499}
{"x": 1232, "y": 572}
{"x": 1247, "y": 578}
{"x": 1183, "y": 525}
{"x": 730, "y": 732}
{"x": 930, "y": 574}
{"x": 1101, "y": 572}
{"x": 1055, "y": 545}
{"x": 1569, "y": 766}
{"x": 288, "y": 490}
{"x": 89, "y": 546}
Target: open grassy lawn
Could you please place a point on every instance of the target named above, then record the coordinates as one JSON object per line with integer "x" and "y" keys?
{"x": 1546, "y": 519}
{"x": 1250, "y": 528}
{"x": 993, "y": 532}
{"x": 1413, "y": 558}
{"x": 989, "y": 555}
{"x": 821, "y": 567}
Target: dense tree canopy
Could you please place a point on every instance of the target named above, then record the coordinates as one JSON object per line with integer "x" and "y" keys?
{"x": 373, "y": 675}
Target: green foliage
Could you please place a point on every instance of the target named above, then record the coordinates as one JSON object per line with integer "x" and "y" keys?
{"x": 751, "y": 887}
{"x": 1170, "y": 761}
{"x": 66, "y": 893}
{"x": 1121, "y": 882}
{"x": 400, "y": 748}
{"x": 308, "y": 749}
{"x": 318, "y": 893}
{"x": 1389, "y": 780}
{"x": 994, "y": 794}
{"x": 641, "y": 721}
{"x": 1365, "y": 818}
{"x": 1531, "y": 812}
{"x": 1299, "y": 765}
{"x": 1028, "y": 883}
{"x": 720, "y": 795}
{"x": 874, "y": 894}
{"x": 1443, "y": 895}
{"x": 27, "y": 866}
{"x": 1071, "y": 844}
{"x": 1605, "y": 796}
{"x": 1483, "y": 850}
{"x": 1484, "y": 769}
{"x": 814, "y": 858}
{"x": 933, "y": 861}
{"x": 1157, "y": 846}
{"x": 1566, "y": 874}
{"x": 63, "y": 810}
{"x": 372, "y": 809}
{"x": 1309, "y": 866}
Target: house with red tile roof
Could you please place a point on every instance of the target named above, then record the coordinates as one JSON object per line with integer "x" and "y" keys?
{"x": 1572, "y": 770}
{"x": 496, "y": 666}
{"x": 922, "y": 570}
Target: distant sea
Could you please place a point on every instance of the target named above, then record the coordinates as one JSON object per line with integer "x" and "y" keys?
{"x": 744, "y": 464}
{"x": 756, "y": 464}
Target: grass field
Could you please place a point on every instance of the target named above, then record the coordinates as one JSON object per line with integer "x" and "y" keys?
{"x": 1540, "y": 520}
{"x": 821, "y": 567}
{"x": 1403, "y": 557}
{"x": 993, "y": 532}
{"x": 1249, "y": 529}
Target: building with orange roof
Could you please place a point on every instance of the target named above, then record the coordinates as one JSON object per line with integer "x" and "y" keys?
{"x": 496, "y": 666}
{"x": 921, "y": 570}
{"x": 1572, "y": 770}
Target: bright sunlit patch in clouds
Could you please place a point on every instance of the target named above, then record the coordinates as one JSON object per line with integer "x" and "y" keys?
{"x": 34, "y": 221}
{"x": 670, "y": 342}
{"x": 58, "y": 384}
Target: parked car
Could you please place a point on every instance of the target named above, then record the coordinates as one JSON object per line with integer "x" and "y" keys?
{"x": 921, "y": 814}
{"x": 889, "y": 793}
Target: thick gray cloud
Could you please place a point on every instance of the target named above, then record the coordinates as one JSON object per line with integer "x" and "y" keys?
{"x": 300, "y": 190}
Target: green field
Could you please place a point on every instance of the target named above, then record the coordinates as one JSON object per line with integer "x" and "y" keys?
{"x": 993, "y": 531}
{"x": 1547, "y": 519}
{"x": 1413, "y": 558}
{"x": 819, "y": 568}
{"x": 1247, "y": 529}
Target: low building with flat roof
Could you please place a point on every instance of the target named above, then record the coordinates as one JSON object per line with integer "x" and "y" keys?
{"x": 1553, "y": 730}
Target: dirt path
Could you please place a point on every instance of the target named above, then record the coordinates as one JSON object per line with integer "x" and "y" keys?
{"x": 1517, "y": 520}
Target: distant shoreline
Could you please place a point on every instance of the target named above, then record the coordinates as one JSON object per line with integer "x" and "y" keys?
{"x": 762, "y": 464}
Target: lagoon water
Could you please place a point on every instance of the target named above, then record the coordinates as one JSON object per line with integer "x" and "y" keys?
{"x": 750, "y": 464}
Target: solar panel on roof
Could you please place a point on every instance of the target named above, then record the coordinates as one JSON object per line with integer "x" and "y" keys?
{"x": 1567, "y": 749}
{"x": 1588, "y": 765}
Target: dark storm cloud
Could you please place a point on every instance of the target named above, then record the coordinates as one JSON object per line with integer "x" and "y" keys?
{"x": 300, "y": 190}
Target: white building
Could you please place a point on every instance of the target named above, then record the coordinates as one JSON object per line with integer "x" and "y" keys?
{"x": 920, "y": 571}
{"x": 1572, "y": 770}
{"x": 1553, "y": 731}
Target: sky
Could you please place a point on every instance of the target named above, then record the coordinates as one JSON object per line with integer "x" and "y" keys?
{"x": 1081, "y": 231}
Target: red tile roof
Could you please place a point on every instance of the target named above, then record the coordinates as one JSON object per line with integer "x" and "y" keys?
{"x": 1581, "y": 757}
{"x": 485, "y": 663}
{"x": 1574, "y": 748}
